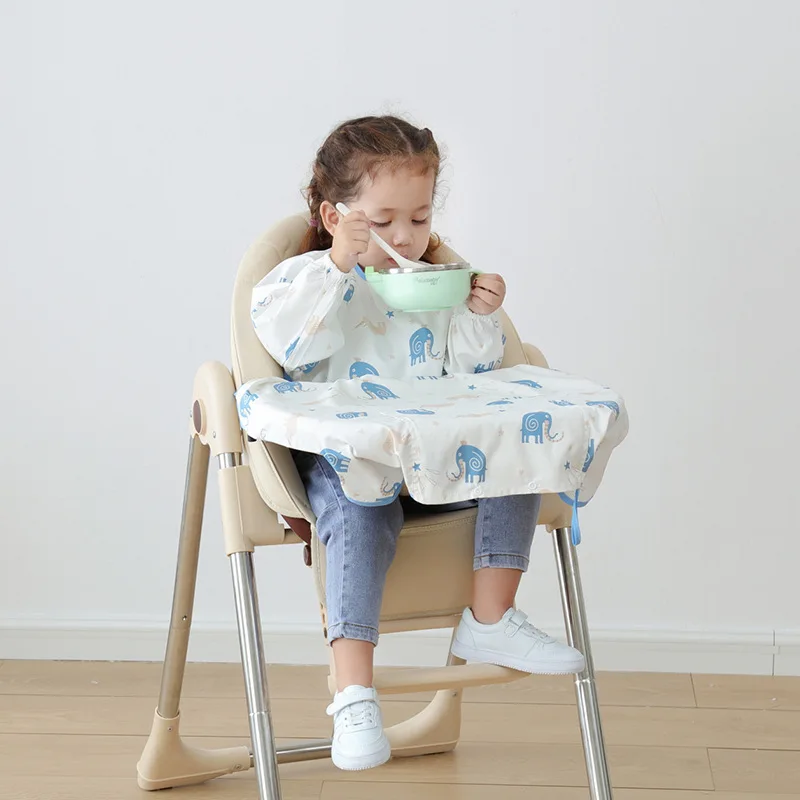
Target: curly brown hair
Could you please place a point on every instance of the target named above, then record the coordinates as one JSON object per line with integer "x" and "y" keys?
{"x": 357, "y": 149}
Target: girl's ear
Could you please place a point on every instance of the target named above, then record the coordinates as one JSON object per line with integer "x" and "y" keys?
{"x": 329, "y": 216}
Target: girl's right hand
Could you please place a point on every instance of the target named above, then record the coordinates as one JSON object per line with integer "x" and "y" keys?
{"x": 350, "y": 240}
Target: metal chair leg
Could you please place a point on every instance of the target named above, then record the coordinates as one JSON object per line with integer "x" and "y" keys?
{"x": 255, "y": 676}
{"x": 194, "y": 499}
{"x": 167, "y": 761}
{"x": 569, "y": 578}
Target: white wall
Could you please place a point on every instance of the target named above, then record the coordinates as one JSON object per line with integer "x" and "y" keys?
{"x": 632, "y": 168}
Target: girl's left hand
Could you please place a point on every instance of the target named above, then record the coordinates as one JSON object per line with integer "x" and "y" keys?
{"x": 487, "y": 295}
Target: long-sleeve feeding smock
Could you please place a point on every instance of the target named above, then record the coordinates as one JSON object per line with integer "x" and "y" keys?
{"x": 322, "y": 324}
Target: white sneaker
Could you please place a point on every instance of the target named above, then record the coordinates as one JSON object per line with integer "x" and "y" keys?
{"x": 358, "y": 738}
{"x": 513, "y": 642}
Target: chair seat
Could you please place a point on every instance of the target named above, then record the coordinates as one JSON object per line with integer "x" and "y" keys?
{"x": 430, "y": 580}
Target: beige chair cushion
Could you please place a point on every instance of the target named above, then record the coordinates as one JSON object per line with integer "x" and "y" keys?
{"x": 273, "y": 469}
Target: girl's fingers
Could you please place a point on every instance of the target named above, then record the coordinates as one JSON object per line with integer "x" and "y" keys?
{"x": 486, "y": 295}
{"x": 478, "y": 305}
{"x": 491, "y": 284}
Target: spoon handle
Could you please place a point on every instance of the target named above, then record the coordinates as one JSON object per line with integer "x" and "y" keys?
{"x": 343, "y": 209}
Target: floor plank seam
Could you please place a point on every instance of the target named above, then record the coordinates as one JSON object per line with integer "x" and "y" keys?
{"x": 711, "y": 770}
{"x": 323, "y": 702}
{"x": 753, "y": 750}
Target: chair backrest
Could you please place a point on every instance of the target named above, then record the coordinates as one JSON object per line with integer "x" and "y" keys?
{"x": 282, "y": 241}
{"x": 274, "y": 470}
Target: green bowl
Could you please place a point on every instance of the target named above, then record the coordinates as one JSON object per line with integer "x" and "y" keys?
{"x": 432, "y": 287}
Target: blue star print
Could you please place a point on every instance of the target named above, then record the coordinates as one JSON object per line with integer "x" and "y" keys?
{"x": 471, "y": 388}
{"x": 567, "y": 465}
{"x": 390, "y": 314}
{"x": 417, "y": 467}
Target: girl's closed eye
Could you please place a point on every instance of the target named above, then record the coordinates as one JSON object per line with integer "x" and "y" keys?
{"x": 386, "y": 224}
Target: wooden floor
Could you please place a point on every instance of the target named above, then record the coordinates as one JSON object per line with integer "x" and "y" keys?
{"x": 74, "y": 731}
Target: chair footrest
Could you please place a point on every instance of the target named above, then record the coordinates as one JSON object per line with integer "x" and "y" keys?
{"x": 425, "y": 679}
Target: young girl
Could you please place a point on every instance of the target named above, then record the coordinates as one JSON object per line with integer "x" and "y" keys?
{"x": 319, "y": 318}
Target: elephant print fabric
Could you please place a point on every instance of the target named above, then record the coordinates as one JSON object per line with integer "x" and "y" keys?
{"x": 421, "y": 346}
{"x": 479, "y": 368}
{"x": 358, "y": 369}
{"x": 378, "y": 391}
{"x": 288, "y": 386}
{"x": 506, "y": 431}
{"x": 246, "y": 400}
{"x": 339, "y": 462}
{"x": 472, "y": 464}
{"x": 536, "y": 425}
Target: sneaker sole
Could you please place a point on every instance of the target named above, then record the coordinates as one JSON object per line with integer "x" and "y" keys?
{"x": 359, "y": 763}
{"x": 504, "y": 660}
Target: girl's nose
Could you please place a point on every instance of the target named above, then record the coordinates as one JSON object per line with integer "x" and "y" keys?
{"x": 401, "y": 236}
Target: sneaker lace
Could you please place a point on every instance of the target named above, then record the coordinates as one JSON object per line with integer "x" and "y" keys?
{"x": 536, "y": 633}
{"x": 359, "y": 715}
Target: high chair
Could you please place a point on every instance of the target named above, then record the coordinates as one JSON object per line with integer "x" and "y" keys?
{"x": 428, "y": 585}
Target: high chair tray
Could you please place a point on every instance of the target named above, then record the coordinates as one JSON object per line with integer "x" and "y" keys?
{"x": 510, "y": 431}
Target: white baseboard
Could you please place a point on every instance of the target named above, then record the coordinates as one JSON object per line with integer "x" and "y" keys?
{"x": 748, "y": 653}
{"x": 787, "y": 656}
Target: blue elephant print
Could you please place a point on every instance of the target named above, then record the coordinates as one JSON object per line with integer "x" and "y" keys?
{"x": 589, "y": 456}
{"x": 348, "y": 295}
{"x": 261, "y": 304}
{"x": 339, "y": 461}
{"x": 607, "y": 403}
{"x": 421, "y": 345}
{"x": 532, "y": 384}
{"x": 471, "y": 464}
{"x": 562, "y": 403}
{"x": 245, "y": 402}
{"x": 500, "y": 403}
{"x": 536, "y": 426}
{"x": 378, "y": 392}
{"x": 358, "y": 369}
{"x": 288, "y": 386}
{"x": 306, "y": 368}
{"x": 352, "y": 414}
{"x": 392, "y": 490}
{"x": 291, "y": 348}
{"x": 418, "y": 411}
{"x": 487, "y": 367}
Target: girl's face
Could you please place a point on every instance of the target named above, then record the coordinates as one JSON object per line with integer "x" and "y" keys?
{"x": 399, "y": 205}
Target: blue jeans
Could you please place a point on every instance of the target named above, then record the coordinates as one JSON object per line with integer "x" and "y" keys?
{"x": 360, "y": 543}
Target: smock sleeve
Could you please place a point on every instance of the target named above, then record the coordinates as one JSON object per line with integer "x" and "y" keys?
{"x": 474, "y": 342}
{"x": 295, "y": 310}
